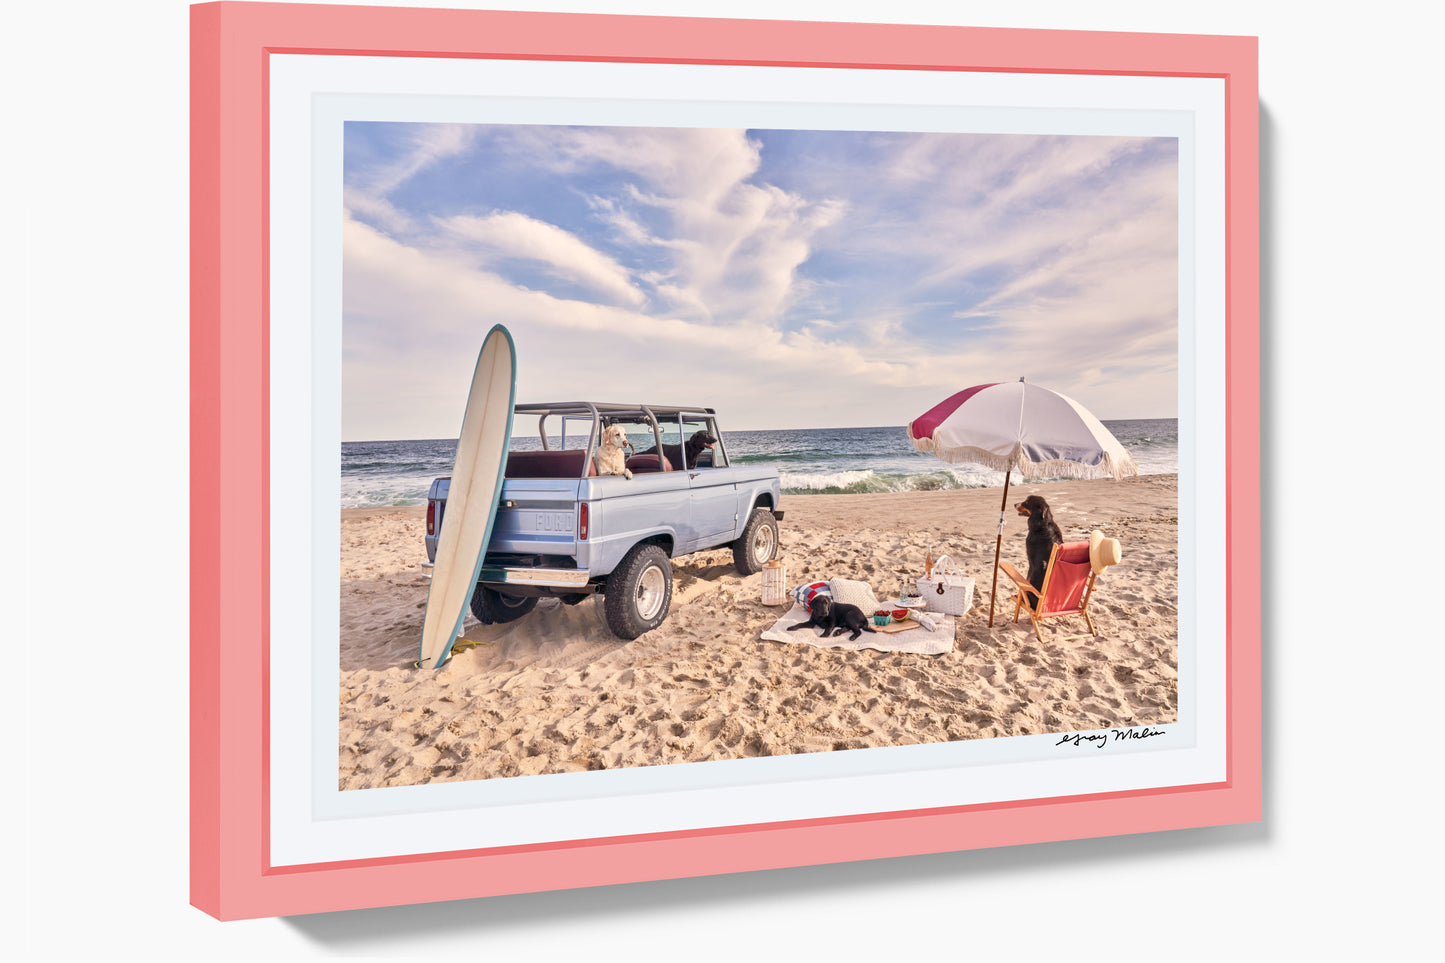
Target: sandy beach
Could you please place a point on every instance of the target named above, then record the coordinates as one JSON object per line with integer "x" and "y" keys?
{"x": 556, "y": 692}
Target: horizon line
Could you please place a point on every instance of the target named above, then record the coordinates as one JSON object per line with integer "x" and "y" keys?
{"x": 358, "y": 441}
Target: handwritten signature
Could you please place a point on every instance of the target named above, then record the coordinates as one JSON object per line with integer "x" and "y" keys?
{"x": 1101, "y": 739}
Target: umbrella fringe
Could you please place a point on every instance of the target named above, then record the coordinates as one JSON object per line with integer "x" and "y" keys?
{"x": 1014, "y": 461}
{"x": 1108, "y": 468}
{"x": 969, "y": 456}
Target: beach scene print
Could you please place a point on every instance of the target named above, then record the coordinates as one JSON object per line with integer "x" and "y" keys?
{"x": 821, "y": 292}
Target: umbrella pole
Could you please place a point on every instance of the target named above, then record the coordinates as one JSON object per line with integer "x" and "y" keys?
{"x": 998, "y": 547}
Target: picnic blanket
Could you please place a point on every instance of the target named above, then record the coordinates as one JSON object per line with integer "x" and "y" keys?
{"x": 918, "y": 641}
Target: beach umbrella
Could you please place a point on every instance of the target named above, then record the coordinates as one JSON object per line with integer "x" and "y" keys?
{"x": 1019, "y": 427}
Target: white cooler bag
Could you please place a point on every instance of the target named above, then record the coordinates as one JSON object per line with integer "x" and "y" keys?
{"x": 946, "y": 591}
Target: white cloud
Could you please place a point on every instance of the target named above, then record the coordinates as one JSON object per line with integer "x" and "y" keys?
{"x": 698, "y": 163}
{"x": 425, "y": 145}
{"x": 422, "y": 145}
{"x": 515, "y": 235}
{"x": 734, "y": 245}
{"x": 407, "y": 378}
{"x": 624, "y": 226}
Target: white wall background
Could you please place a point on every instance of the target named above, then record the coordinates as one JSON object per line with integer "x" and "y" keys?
{"x": 1348, "y": 857}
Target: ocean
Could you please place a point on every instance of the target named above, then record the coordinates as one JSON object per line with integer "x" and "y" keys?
{"x": 809, "y": 461}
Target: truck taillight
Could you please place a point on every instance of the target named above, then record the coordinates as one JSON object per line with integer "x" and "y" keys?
{"x": 582, "y": 522}
{"x": 431, "y": 518}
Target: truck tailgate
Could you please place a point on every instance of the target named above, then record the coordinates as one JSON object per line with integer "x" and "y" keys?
{"x": 537, "y": 516}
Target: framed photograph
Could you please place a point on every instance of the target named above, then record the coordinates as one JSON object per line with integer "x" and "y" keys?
{"x": 751, "y": 591}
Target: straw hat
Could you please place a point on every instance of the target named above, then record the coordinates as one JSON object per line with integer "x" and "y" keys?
{"x": 1103, "y": 552}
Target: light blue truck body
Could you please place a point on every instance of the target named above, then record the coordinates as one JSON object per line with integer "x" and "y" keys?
{"x": 564, "y": 535}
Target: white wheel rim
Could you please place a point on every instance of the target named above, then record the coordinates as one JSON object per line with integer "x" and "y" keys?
{"x": 763, "y": 543}
{"x": 651, "y": 589}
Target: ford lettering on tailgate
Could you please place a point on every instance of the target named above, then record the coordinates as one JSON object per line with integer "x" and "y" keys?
{"x": 552, "y": 522}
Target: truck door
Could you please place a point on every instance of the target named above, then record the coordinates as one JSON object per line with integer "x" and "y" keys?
{"x": 713, "y": 494}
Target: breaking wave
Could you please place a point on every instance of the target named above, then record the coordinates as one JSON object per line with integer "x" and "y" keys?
{"x": 872, "y": 482}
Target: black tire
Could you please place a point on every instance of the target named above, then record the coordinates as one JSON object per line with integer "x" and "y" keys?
{"x": 493, "y": 608}
{"x": 758, "y": 544}
{"x": 638, "y": 592}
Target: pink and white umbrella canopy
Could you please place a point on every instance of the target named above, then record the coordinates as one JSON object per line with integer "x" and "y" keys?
{"x": 1016, "y": 426}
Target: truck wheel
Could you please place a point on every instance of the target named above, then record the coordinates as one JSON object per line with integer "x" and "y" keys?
{"x": 493, "y": 608}
{"x": 758, "y": 543}
{"x": 638, "y": 592}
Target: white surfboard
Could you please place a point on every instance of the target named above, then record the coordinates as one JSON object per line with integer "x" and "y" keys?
{"x": 472, "y": 496}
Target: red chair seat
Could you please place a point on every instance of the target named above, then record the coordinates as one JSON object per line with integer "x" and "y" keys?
{"x": 1067, "y": 581}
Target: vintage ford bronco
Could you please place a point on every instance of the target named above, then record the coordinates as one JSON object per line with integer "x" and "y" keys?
{"x": 563, "y": 531}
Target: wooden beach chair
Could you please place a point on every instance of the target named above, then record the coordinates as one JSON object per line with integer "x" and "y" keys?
{"x": 1068, "y": 587}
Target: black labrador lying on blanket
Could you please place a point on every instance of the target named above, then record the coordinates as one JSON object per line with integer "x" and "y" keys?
{"x": 1043, "y": 536}
{"x": 834, "y": 618}
{"x": 700, "y": 440}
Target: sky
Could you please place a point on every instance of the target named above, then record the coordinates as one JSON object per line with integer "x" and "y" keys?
{"x": 786, "y": 278}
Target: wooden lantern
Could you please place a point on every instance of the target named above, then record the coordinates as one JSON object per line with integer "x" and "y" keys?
{"x": 775, "y": 583}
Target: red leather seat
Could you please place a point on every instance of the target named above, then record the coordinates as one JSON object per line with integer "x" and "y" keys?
{"x": 548, "y": 464}
{"x": 642, "y": 464}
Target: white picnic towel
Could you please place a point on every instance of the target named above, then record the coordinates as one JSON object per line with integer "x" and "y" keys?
{"x": 917, "y": 641}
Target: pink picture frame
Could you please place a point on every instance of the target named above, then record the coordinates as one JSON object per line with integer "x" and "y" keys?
{"x": 233, "y": 45}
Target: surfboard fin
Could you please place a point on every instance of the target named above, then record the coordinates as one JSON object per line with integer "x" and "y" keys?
{"x": 461, "y": 645}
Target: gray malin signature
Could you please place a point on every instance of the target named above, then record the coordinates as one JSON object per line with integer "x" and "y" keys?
{"x": 1100, "y": 739}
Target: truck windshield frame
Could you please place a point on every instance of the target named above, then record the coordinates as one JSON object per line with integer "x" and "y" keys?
{"x": 600, "y": 414}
